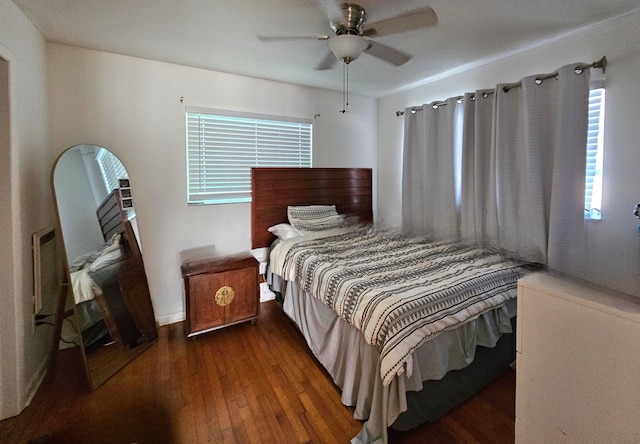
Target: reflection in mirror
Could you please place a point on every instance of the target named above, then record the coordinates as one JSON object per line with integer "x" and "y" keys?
{"x": 108, "y": 287}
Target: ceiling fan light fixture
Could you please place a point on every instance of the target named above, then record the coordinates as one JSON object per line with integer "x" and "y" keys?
{"x": 347, "y": 47}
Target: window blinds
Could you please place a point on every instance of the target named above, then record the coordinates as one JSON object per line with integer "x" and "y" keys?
{"x": 593, "y": 185}
{"x": 111, "y": 169}
{"x": 221, "y": 149}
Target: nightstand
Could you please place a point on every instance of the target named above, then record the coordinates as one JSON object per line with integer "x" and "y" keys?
{"x": 220, "y": 291}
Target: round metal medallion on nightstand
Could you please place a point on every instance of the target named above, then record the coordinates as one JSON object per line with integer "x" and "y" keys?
{"x": 224, "y": 295}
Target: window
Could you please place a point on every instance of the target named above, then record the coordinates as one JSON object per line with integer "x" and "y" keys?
{"x": 595, "y": 138}
{"x": 222, "y": 147}
{"x": 111, "y": 169}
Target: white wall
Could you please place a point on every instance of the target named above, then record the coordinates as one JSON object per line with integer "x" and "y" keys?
{"x": 25, "y": 160}
{"x": 613, "y": 244}
{"x": 133, "y": 107}
{"x": 76, "y": 205}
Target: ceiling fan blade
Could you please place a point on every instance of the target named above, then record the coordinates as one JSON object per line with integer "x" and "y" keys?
{"x": 386, "y": 53}
{"x": 285, "y": 38}
{"x": 418, "y": 19}
{"x": 327, "y": 62}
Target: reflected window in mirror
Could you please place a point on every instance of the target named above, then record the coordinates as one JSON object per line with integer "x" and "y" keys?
{"x": 115, "y": 176}
{"x": 111, "y": 168}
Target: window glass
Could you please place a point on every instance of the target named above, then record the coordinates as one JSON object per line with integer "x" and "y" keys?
{"x": 223, "y": 147}
{"x": 111, "y": 169}
{"x": 595, "y": 144}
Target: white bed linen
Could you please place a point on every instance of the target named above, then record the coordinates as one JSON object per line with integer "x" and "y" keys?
{"x": 398, "y": 291}
{"x": 82, "y": 285}
{"x": 279, "y": 251}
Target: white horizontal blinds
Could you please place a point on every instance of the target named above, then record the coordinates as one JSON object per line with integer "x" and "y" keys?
{"x": 111, "y": 168}
{"x": 221, "y": 149}
{"x": 593, "y": 185}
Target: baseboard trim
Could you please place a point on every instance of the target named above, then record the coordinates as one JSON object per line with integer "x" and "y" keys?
{"x": 171, "y": 318}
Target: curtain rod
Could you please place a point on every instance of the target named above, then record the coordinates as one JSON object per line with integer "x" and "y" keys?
{"x": 598, "y": 64}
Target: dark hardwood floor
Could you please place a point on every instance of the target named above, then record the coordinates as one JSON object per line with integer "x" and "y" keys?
{"x": 243, "y": 384}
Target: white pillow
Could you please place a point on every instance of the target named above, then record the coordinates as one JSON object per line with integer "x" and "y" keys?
{"x": 284, "y": 231}
{"x": 110, "y": 255}
{"x": 314, "y": 217}
{"x": 112, "y": 244}
{"x": 86, "y": 259}
{"x": 108, "y": 258}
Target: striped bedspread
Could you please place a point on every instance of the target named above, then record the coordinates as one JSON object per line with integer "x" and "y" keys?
{"x": 400, "y": 291}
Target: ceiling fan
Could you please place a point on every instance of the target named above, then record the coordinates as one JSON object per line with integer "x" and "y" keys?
{"x": 352, "y": 38}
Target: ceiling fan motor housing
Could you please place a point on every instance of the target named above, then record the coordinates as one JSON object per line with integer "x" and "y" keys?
{"x": 351, "y": 37}
{"x": 354, "y": 19}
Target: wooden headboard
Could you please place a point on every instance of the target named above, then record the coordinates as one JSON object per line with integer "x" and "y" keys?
{"x": 273, "y": 189}
{"x": 113, "y": 219}
{"x": 131, "y": 273}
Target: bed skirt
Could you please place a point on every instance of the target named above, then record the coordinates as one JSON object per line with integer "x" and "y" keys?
{"x": 442, "y": 373}
{"x": 438, "y": 397}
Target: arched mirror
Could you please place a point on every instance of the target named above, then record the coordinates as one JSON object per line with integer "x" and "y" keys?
{"x": 107, "y": 285}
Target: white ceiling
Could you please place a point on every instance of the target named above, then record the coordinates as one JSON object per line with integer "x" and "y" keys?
{"x": 221, "y": 35}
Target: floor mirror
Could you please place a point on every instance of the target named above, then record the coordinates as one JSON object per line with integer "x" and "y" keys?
{"x": 104, "y": 278}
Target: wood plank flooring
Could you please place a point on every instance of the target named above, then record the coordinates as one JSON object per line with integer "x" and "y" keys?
{"x": 243, "y": 384}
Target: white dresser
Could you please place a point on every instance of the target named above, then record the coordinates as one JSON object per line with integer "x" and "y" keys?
{"x": 578, "y": 363}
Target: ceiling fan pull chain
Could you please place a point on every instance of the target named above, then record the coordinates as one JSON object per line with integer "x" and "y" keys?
{"x": 344, "y": 110}
{"x": 345, "y": 88}
{"x": 347, "y": 83}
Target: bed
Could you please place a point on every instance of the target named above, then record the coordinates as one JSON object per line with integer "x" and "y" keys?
{"x": 391, "y": 372}
{"x": 107, "y": 284}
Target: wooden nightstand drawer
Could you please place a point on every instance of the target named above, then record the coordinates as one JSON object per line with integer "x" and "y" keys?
{"x": 220, "y": 291}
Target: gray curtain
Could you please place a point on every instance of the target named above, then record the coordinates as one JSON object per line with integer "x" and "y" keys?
{"x": 479, "y": 222}
{"x": 523, "y": 160}
{"x": 428, "y": 180}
